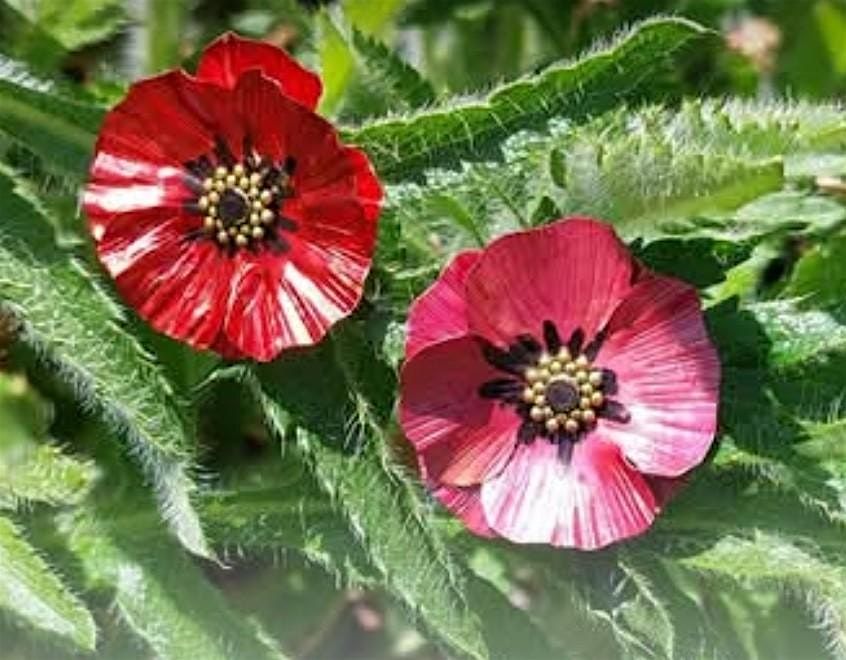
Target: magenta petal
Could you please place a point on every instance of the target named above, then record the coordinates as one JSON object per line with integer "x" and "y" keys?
{"x": 591, "y": 501}
{"x": 461, "y": 437}
{"x": 573, "y": 272}
{"x": 441, "y": 312}
{"x": 668, "y": 376}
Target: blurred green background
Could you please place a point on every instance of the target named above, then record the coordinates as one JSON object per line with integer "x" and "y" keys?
{"x": 767, "y": 49}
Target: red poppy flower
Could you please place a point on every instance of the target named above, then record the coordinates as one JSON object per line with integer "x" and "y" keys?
{"x": 552, "y": 384}
{"x": 229, "y": 214}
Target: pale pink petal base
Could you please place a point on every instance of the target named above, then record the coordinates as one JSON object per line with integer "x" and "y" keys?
{"x": 594, "y": 499}
{"x": 668, "y": 376}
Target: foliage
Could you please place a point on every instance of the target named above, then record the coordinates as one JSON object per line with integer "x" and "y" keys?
{"x": 154, "y": 502}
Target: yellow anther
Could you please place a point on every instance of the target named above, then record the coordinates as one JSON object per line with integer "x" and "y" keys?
{"x": 555, "y": 367}
{"x": 539, "y": 387}
{"x": 238, "y": 170}
{"x": 586, "y": 389}
{"x": 258, "y": 233}
{"x": 532, "y": 374}
{"x": 203, "y": 203}
{"x": 209, "y": 223}
{"x": 589, "y": 417}
{"x": 208, "y": 184}
{"x": 266, "y": 196}
{"x": 231, "y": 180}
{"x": 581, "y": 376}
{"x": 582, "y": 361}
{"x": 220, "y": 172}
{"x": 214, "y": 197}
{"x": 222, "y": 237}
{"x": 267, "y": 216}
{"x": 597, "y": 399}
{"x": 584, "y": 403}
{"x": 241, "y": 240}
{"x": 552, "y": 425}
{"x": 244, "y": 183}
{"x": 529, "y": 395}
{"x": 595, "y": 378}
{"x": 571, "y": 426}
{"x": 255, "y": 219}
{"x": 537, "y": 414}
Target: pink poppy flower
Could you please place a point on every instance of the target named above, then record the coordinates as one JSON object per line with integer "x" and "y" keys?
{"x": 553, "y": 387}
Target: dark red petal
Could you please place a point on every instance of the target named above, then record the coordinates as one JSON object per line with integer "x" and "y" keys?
{"x": 668, "y": 378}
{"x": 230, "y": 56}
{"x": 130, "y": 195}
{"x": 573, "y": 272}
{"x": 440, "y": 313}
{"x": 460, "y": 437}
{"x": 171, "y": 118}
{"x": 179, "y": 287}
{"x": 594, "y": 499}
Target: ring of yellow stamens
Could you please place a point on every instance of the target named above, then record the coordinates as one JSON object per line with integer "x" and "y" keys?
{"x": 575, "y": 371}
{"x": 250, "y": 200}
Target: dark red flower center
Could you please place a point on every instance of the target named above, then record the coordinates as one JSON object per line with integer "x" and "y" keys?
{"x": 233, "y": 207}
{"x": 241, "y": 201}
{"x": 556, "y": 389}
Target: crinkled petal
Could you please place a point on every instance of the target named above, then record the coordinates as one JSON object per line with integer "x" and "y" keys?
{"x": 179, "y": 287}
{"x": 668, "y": 378}
{"x": 230, "y": 56}
{"x": 594, "y": 499}
{"x": 460, "y": 437}
{"x": 167, "y": 119}
{"x": 440, "y": 313}
{"x": 573, "y": 272}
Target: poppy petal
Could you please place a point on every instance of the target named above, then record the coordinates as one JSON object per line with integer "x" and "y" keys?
{"x": 668, "y": 378}
{"x": 594, "y": 499}
{"x": 440, "y": 313}
{"x": 230, "y": 56}
{"x": 179, "y": 287}
{"x": 460, "y": 437}
{"x": 467, "y": 505}
{"x": 572, "y": 272}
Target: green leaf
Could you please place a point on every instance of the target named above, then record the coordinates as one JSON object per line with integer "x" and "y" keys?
{"x": 769, "y": 557}
{"x": 819, "y": 277}
{"x": 75, "y": 330}
{"x": 401, "y": 84}
{"x": 73, "y": 23}
{"x": 470, "y": 130}
{"x": 59, "y": 130}
{"x": 30, "y": 469}
{"x": 33, "y": 593}
{"x": 161, "y": 595}
{"x": 299, "y": 516}
{"x": 340, "y": 399}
